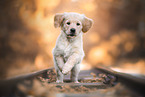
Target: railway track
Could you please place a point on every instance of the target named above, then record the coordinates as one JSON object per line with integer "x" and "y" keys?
{"x": 89, "y": 79}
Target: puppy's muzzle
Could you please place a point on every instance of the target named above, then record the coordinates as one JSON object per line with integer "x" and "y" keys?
{"x": 72, "y": 32}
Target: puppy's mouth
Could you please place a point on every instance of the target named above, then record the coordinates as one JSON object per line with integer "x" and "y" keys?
{"x": 71, "y": 35}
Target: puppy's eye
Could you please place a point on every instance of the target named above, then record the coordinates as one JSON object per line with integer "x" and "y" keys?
{"x": 78, "y": 24}
{"x": 68, "y": 23}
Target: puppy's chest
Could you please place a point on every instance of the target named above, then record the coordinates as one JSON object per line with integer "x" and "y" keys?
{"x": 67, "y": 50}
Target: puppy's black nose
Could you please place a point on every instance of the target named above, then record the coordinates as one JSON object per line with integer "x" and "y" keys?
{"x": 72, "y": 30}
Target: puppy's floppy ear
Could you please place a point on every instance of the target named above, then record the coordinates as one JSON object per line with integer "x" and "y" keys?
{"x": 58, "y": 18}
{"x": 87, "y": 23}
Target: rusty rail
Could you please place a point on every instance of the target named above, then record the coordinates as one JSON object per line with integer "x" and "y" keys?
{"x": 134, "y": 83}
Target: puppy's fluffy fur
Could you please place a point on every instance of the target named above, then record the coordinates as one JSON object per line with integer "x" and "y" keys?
{"x": 68, "y": 52}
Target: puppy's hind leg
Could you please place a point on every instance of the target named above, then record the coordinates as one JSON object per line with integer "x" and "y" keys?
{"x": 74, "y": 73}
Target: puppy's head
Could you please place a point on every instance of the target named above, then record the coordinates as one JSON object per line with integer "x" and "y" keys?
{"x": 72, "y": 23}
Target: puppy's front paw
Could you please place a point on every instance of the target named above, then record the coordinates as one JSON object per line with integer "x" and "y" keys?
{"x": 76, "y": 82}
{"x": 64, "y": 72}
{"x": 58, "y": 81}
{"x": 66, "y": 69}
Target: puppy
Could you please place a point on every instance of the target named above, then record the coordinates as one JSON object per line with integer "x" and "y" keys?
{"x": 68, "y": 52}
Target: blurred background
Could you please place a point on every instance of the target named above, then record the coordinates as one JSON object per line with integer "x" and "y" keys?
{"x": 27, "y": 34}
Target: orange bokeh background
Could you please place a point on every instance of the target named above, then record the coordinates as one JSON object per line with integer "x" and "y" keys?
{"x": 116, "y": 38}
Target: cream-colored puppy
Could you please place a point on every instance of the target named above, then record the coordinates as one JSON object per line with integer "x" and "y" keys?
{"x": 68, "y": 52}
